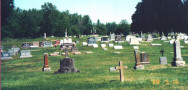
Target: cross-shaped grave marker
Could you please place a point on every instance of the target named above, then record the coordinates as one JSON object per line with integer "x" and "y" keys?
{"x": 121, "y": 67}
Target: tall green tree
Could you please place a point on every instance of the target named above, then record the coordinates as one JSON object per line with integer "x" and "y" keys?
{"x": 123, "y": 28}
{"x": 50, "y": 18}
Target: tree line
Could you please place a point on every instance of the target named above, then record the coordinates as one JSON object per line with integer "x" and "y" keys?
{"x": 161, "y": 16}
{"x": 33, "y": 23}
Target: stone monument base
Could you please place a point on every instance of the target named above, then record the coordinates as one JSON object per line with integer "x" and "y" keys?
{"x": 139, "y": 67}
{"x": 46, "y": 69}
{"x": 178, "y": 63}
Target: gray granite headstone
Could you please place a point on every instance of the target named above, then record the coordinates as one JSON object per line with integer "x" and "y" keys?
{"x": 163, "y": 60}
{"x": 91, "y": 41}
{"x": 48, "y": 44}
{"x": 67, "y": 66}
{"x": 5, "y": 56}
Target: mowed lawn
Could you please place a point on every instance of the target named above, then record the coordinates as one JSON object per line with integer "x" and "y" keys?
{"x": 27, "y": 74}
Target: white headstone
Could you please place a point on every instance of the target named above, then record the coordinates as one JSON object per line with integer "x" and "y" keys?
{"x": 103, "y": 45}
{"x": 84, "y": 43}
{"x": 118, "y": 47}
{"x": 134, "y": 41}
{"x": 111, "y": 45}
{"x": 95, "y": 46}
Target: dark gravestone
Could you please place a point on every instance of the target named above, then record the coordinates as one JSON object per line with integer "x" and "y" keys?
{"x": 145, "y": 58}
{"x": 68, "y": 46}
{"x": 104, "y": 39}
{"x": 26, "y": 45}
{"x": 67, "y": 66}
{"x": 41, "y": 44}
{"x": 138, "y": 65}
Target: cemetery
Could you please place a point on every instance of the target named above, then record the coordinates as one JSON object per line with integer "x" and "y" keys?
{"x": 91, "y": 65}
{"x": 49, "y": 48}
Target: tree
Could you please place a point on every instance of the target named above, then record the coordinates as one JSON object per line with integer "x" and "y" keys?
{"x": 6, "y": 10}
{"x": 50, "y": 18}
{"x": 123, "y": 27}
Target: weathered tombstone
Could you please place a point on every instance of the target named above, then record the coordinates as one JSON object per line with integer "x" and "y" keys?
{"x": 121, "y": 67}
{"x": 128, "y": 38}
{"x": 88, "y": 52}
{"x": 104, "y": 39}
{"x": 5, "y": 56}
{"x": 25, "y": 54}
{"x": 119, "y": 39}
{"x": 41, "y": 44}
{"x": 178, "y": 60}
{"x": 48, "y": 44}
{"x": 76, "y": 53}
{"x": 134, "y": 41}
{"x": 91, "y": 41}
{"x": 145, "y": 58}
{"x": 67, "y": 66}
{"x": 26, "y": 45}
{"x": 162, "y": 60}
{"x": 112, "y": 37}
{"x": 46, "y": 67}
{"x": 138, "y": 65}
{"x": 55, "y": 54}
{"x": 118, "y": 47}
{"x": 149, "y": 38}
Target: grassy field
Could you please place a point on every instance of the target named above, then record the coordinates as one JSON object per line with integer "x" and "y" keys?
{"x": 27, "y": 74}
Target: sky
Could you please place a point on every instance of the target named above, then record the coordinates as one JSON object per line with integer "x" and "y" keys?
{"x": 104, "y": 10}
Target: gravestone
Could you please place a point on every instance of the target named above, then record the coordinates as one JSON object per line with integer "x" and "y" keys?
{"x": 84, "y": 43}
{"x": 67, "y": 40}
{"x": 66, "y": 33}
{"x": 55, "y": 54}
{"x": 118, "y": 47}
{"x": 67, "y": 66}
{"x": 46, "y": 67}
{"x": 67, "y": 46}
{"x": 128, "y": 38}
{"x": 35, "y": 45}
{"x": 111, "y": 45}
{"x": 112, "y": 69}
{"x": 88, "y": 52}
{"x": 5, "y": 56}
{"x": 26, "y": 45}
{"x": 145, "y": 58}
{"x": 172, "y": 41}
{"x": 112, "y": 37}
{"x": 25, "y": 54}
{"x": 119, "y": 39}
{"x": 135, "y": 47}
{"x": 178, "y": 60}
{"x": 57, "y": 42}
{"x": 61, "y": 42}
{"x": 121, "y": 67}
{"x": 103, "y": 45}
{"x": 104, "y": 39}
{"x": 149, "y": 38}
{"x": 138, "y": 65}
{"x": 91, "y": 41}
{"x": 134, "y": 41}
{"x": 163, "y": 60}
{"x": 77, "y": 41}
{"x": 163, "y": 37}
{"x": 156, "y": 44}
{"x": 95, "y": 46}
{"x": 154, "y": 36}
{"x": 41, "y": 44}
{"x": 11, "y": 52}
{"x": 44, "y": 35}
{"x": 48, "y": 44}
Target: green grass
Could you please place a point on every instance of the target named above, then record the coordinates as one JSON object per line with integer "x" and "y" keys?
{"x": 27, "y": 74}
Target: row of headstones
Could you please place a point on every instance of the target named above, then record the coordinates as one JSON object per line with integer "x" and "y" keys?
{"x": 36, "y": 44}
{"x": 7, "y": 55}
